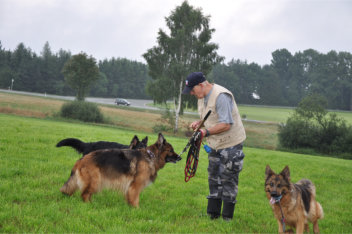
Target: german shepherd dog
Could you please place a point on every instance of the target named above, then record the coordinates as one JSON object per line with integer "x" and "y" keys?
{"x": 292, "y": 204}
{"x": 85, "y": 148}
{"x": 128, "y": 171}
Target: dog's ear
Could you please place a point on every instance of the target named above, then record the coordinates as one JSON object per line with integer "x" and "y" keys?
{"x": 286, "y": 173}
{"x": 268, "y": 171}
{"x": 161, "y": 139}
{"x": 134, "y": 142}
{"x": 145, "y": 141}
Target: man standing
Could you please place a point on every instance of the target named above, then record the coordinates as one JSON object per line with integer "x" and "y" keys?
{"x": 225, "y": 135}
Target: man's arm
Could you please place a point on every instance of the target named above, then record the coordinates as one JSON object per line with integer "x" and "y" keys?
{"x": 224, "y": 106}
{"x": 216, "y": 129}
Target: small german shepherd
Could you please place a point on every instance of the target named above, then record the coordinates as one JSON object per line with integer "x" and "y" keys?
{"x": 85, "y": 148}
{"x": 293, "y": 204}
{"x": 129, "y": 171}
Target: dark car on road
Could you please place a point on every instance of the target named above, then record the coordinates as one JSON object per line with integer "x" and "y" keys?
{"x": 121, "y": 101}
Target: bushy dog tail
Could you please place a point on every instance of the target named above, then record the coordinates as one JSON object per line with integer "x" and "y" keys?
{"x": 71, "y": 185}
{"x": 320, "y": 212}
{"x": 74, "y": 143}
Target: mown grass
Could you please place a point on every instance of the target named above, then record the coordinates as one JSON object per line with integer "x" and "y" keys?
{"x": 32, "y": 170}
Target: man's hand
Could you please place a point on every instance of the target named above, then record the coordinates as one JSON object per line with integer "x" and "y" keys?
{"x": 195, "y": 124}
{"x": 200, "y": 134}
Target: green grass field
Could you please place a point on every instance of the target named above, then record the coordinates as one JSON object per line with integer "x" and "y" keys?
{"x": 32, "y": 170}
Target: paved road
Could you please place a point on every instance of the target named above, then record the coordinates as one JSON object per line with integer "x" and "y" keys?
{"x": 139, "y": 103}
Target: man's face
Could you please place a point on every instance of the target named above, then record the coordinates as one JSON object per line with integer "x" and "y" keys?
{"x": 197, "y": 91}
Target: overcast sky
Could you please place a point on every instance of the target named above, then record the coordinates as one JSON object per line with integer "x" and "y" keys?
{"x": 245, "y": 29}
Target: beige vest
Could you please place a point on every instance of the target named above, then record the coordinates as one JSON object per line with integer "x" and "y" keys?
{"x": 235, "y": 135}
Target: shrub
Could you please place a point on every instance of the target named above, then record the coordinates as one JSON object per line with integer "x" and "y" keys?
{"x": 161, "y": 128}
{"x": 80, "y": 110}
{"x": 333, "y": 134}
{"x": 311, "y": 128}
{"x": 165, "y": 123}
{"x": 298, "y": 133}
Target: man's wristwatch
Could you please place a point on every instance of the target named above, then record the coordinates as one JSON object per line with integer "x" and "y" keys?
{"x": 207, "y": 133}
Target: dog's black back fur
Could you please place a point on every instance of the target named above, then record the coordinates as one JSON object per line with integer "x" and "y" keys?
{"x": 303, "y": 189}
{"x": 119, "y": 160}
{"x": 86, "y": 148}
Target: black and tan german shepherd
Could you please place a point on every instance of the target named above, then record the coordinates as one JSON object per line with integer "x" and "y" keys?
{"x": 85, "y": 148}
{"x": 129, "y": 171}
{"x": 293, "y": 204}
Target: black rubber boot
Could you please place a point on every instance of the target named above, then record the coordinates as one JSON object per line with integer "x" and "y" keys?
{"x": 214, "y": 208}
{"x": 227, "y": 211}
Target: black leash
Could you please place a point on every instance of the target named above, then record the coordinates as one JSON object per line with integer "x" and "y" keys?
{"x": 277, "y": 200}
{"x": 193, "y": 157}
{"x": 282, "y": 219}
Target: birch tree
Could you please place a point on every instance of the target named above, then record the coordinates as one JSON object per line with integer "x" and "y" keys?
{"x": 187, "y": 48}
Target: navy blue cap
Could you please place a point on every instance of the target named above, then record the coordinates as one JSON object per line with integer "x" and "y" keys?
{"x": 192, "y": 80}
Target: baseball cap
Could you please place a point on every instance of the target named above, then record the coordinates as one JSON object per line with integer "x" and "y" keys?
{"x": 192, "y": 80}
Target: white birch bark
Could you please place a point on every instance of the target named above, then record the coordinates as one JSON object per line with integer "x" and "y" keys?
{"x": 178, "y": 107}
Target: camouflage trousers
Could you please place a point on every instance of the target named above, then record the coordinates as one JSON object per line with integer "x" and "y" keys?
{"x": 223, "y": 171}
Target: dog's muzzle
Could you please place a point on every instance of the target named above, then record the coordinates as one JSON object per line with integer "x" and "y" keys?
{"x": 275, "y": 198}
{"x": 173, "y": 159}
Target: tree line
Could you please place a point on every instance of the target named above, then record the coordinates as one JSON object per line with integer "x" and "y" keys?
{"x": 289, "y": 78}
{"x": 284, "y": 82}
{"x": 24, "y": 70}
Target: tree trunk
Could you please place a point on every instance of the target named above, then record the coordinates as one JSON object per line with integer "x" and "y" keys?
{"x": 80, "y": 94}
{"x": 178, "y": 108}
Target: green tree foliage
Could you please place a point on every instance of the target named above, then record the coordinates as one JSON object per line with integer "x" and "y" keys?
{"x": 6, "y": 72}
{"x": 101, "y": 87}
{"x": 42, "y": 74}
{"x": 24, "y": 69}
{"x": 239, "y": 77}
{"x": 33, "y": 73}
{"x": 80, "y": 73}
{"x": 124, "y": 78}
{"x": 268, "y": 87}
{"x": 312, "y": 107}
{"x": 282, "y": 59}
{"x": 49, "y": 77}
{"x": 186, "y": 49}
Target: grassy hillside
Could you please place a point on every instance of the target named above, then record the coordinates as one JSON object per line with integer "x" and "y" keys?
{"x": 32, "y": 170}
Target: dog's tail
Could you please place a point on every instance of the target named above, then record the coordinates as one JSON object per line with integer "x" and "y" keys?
{"x": 71, "y": 184}
{"x": 320, "y": 212}
{"x": 74, "y": 143}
